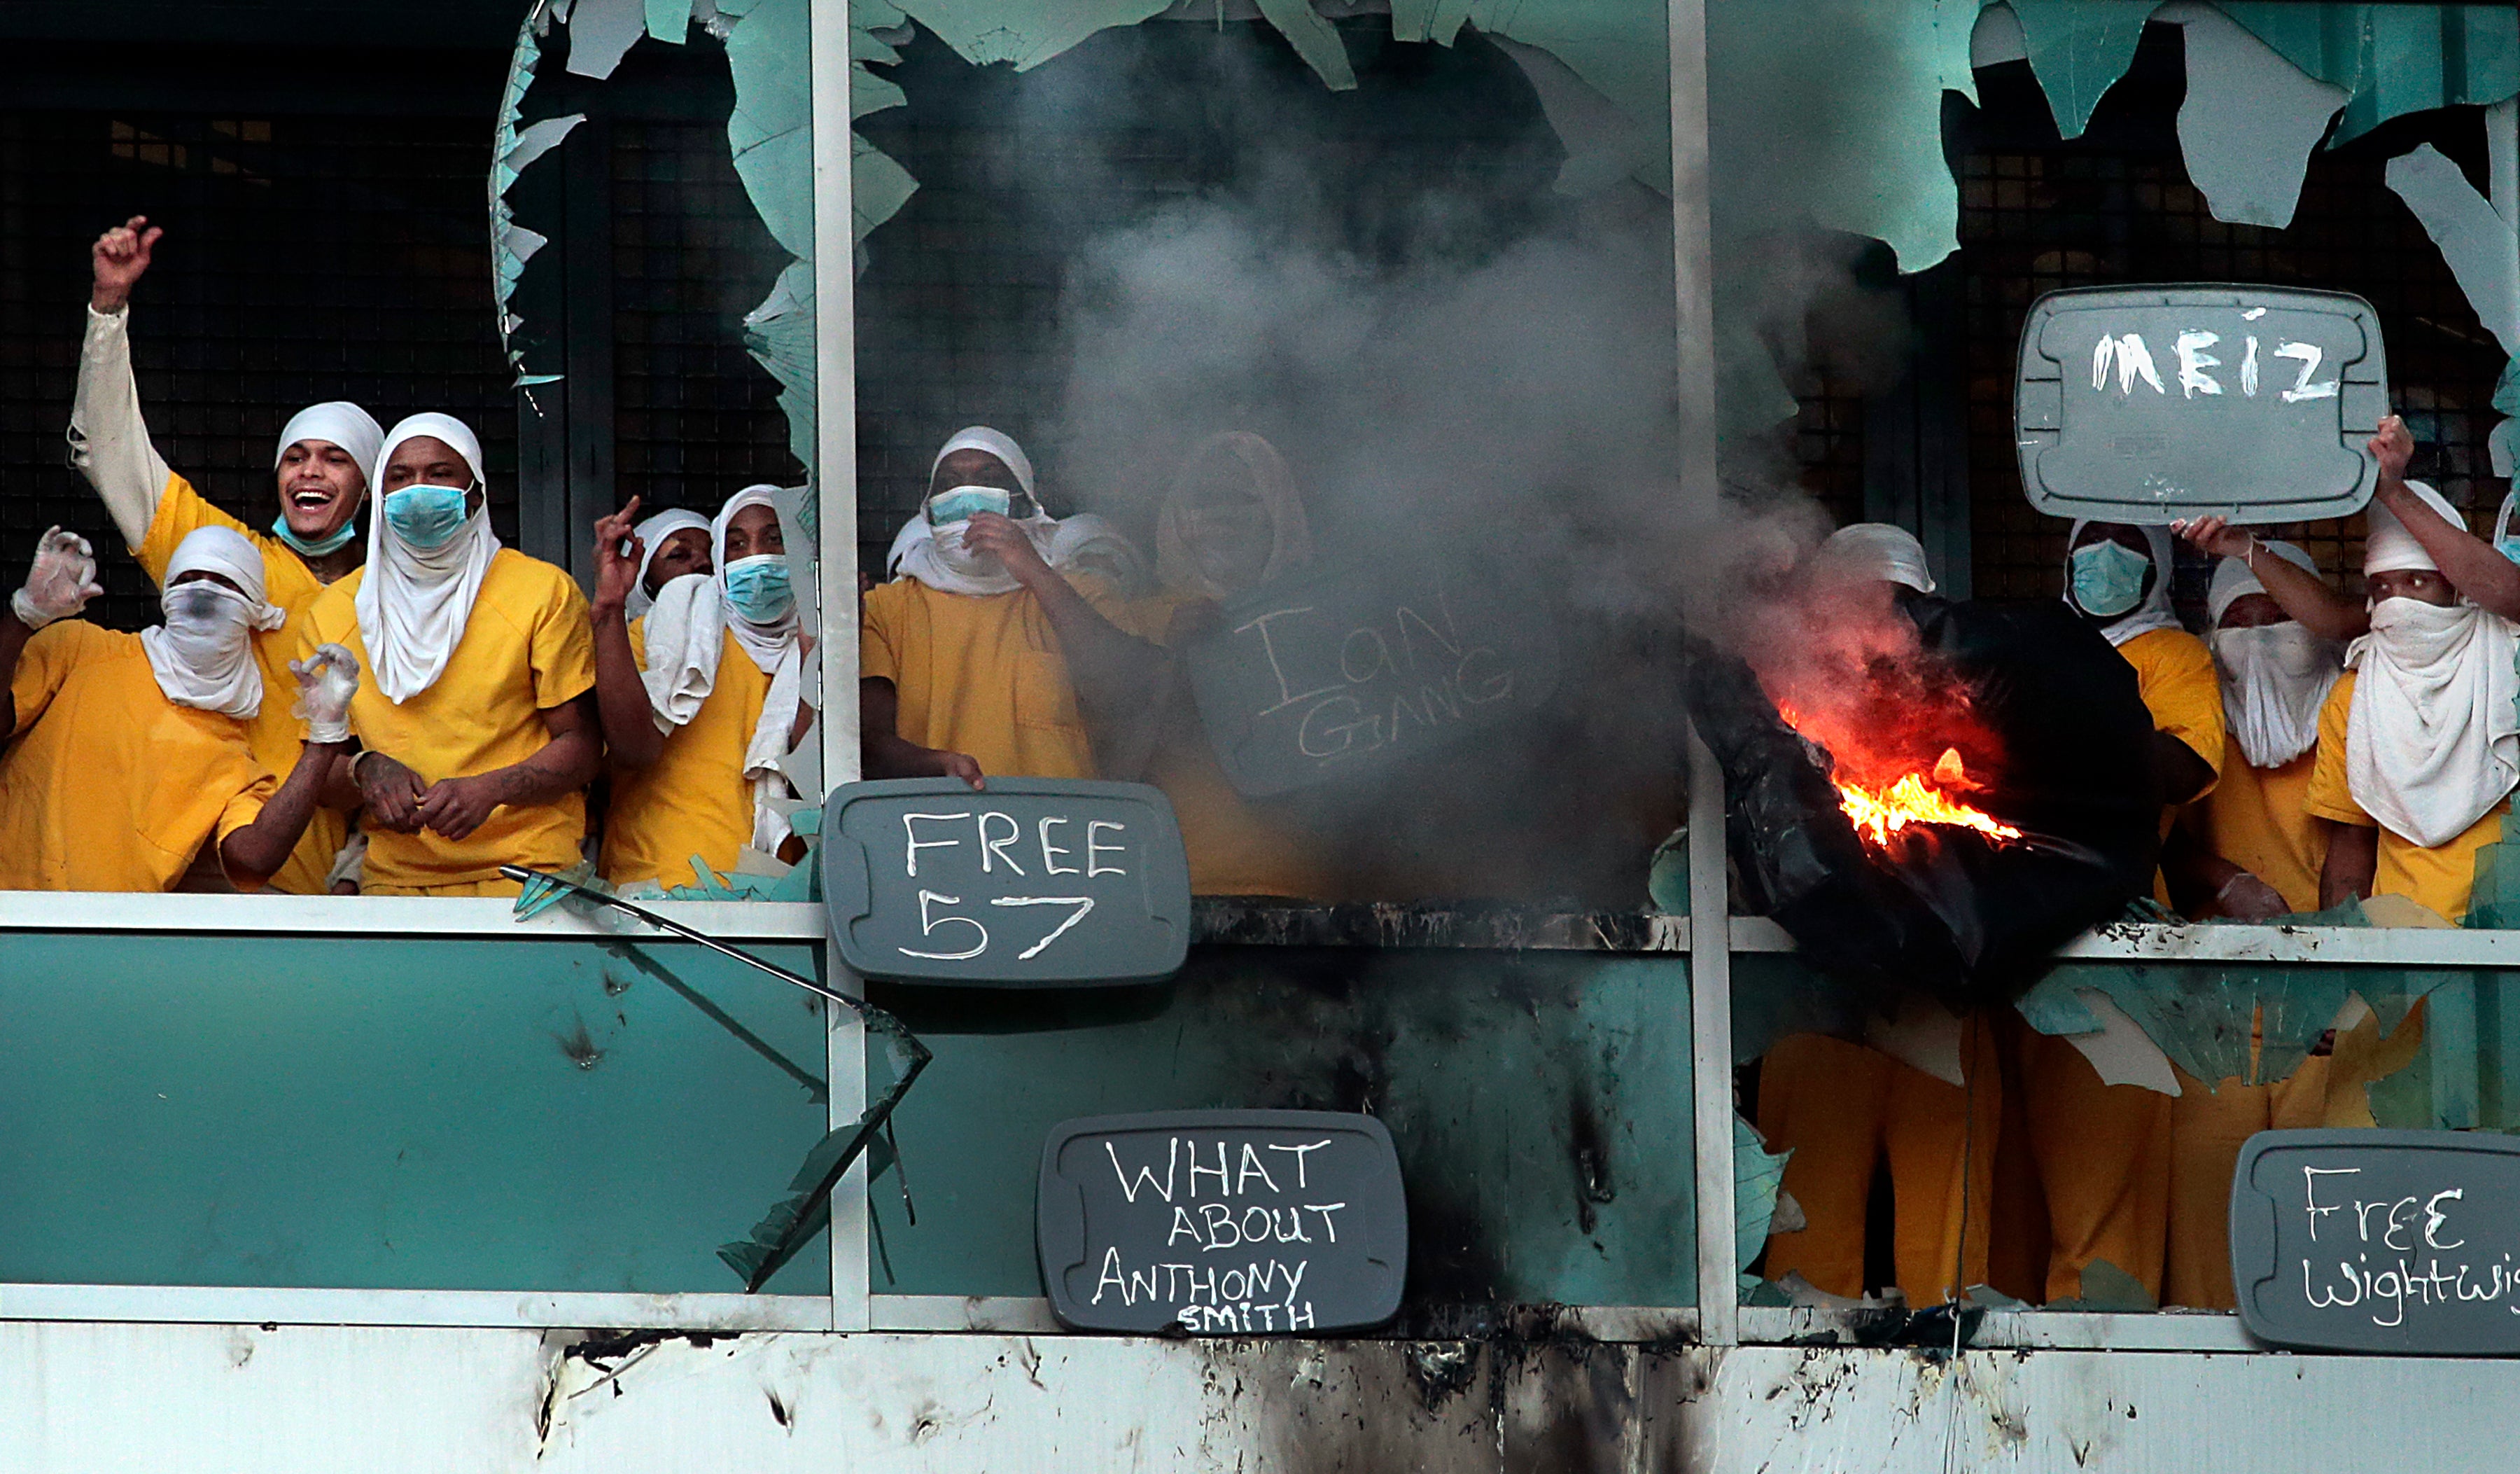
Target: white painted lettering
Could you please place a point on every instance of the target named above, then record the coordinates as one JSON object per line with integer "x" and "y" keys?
{"x": 916, "y": 844}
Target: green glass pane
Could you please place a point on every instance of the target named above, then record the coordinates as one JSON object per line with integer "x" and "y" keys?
{"x": 1540, "y": 1103}
{"x": 403, "y": 1114}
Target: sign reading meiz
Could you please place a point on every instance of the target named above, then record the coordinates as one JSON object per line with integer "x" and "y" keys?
{"x": 1030, "y": 882}
{"x": 2146, "y": 404}
{"x": 1222, "y": 1222}
{"x": 2379, "y": 1241}
{"x": 1340, "y": 672}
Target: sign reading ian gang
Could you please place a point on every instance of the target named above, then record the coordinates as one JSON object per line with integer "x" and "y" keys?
{"x": 1231, "y": 1222}
{"x": 1030, "y": 881}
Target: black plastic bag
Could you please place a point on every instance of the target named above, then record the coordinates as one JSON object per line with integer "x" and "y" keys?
{"x": 1966, "y": 918}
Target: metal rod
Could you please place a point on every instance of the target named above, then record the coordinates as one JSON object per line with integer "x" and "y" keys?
{"x": 522, "y": 874}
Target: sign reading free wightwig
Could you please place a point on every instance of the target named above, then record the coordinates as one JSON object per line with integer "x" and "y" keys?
{"x": 1029, "y": 882}
{"x": 2147, "y": 404}
{"x": 1229, "y": 1223}
{"x": 2390, "y": 1241}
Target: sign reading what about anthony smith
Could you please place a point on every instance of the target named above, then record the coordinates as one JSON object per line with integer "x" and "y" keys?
{"x": 1028, "y": 881}
{"x": 2389, "y": 1241}
{"x": 1224, "y": 1223}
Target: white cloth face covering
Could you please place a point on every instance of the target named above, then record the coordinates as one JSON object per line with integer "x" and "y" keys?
{"x": 2275, "y": 678}
{"x": 653, "y": 531}
{"x": 2433, "y": 740}
{"x": 203, "y": 654}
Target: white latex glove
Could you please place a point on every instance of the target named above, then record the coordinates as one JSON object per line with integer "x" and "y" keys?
{"x": 62, "y": 582}
{"x": 326, "y": 682}
{"x": 2246, "y": 897}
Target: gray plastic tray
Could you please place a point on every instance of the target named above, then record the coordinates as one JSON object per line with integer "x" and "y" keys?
{"x": 2145, "y": 404}
{"x": 1224, "y": 1223}
{"x": 2403, "y": 1242}
{"x": 1080, "y": 881}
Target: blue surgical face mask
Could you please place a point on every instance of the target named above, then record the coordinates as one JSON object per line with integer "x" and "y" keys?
{"x": 757, "y": 588}
{"x": 962, "y": 503}
{"x": 2108, "y": 578}
{"x": 427, "y": 518}
{"x": 332, "y": 542}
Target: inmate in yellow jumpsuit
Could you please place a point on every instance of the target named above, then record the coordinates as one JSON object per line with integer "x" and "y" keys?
{"x": 1232, "y": 849}
{"x": 273, "y": 732}
{"x": 2101, "y": 1152}
{"x": 981, "y": 674}
{"x": 2257, "y": 819}
{"x": 693, "y": 800}
{"x": 2441, "y": 878}
{"x": 107, "y": 785}
{"x": 528, "y": 646}
{"x": 1842, "y": 1108}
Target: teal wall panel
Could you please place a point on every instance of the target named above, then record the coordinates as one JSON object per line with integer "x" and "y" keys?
{"x": 1540, "y": 1103}
{"x": 418, "y": 1112}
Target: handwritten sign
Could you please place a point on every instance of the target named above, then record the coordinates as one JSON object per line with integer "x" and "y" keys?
{"x": 2379, "y": 1241}
{"x": 1342, "y": 672}
{"x": 1223, "y": 1222}
{"x": 2145, "y": 404}
{"x": 1030, "y": 882}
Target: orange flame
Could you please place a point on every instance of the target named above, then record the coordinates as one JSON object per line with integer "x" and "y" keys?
{"x": 1918, "y": 798}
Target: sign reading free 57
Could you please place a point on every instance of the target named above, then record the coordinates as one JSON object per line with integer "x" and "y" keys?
{"x": 1029, "y": 882}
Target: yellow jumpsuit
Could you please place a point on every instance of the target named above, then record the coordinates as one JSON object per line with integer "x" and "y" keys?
{"x": 693, "y": 800}
{"x": 981, "y": 674}
{"x": 1232, "y": 849}
{"x": 106, "y": 784}
{"x": 274, "y": 733}
{"x": 527, "y": 647}
{"x": 2441, "y": 878}
{"x": 2101, "y": 1153}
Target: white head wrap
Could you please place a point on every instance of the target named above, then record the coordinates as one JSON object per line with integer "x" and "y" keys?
{"x": 414, "y": 604}
{"x": 1256, "y": 467}
{"x": 2433, "y": 740}
{"x": 686, "y": 635}
{"x": 202, "y": 656}
{"x": 1878, "y": 550}
{"x": 340, "y": 422}
{"x": 2389, "y": 548}
{"x": 653, "y": 531}
{"x": 2275, "y": 676}
{"x": 2155, "y": 612}
{"x": 1065, "y": 543}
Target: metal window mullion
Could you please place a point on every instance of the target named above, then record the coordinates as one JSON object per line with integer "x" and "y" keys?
{"x": 834, "y": 480}
{"x": 1710, "y": 970}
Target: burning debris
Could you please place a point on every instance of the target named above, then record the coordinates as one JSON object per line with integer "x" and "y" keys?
{"x": 1928, "y": 794}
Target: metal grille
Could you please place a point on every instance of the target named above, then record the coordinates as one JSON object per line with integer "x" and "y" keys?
{"x": 1829, "y": 443}
{"x": 307, "y": 258}
{"x": 695, "y": 418}
{"x": 2116, "y": 207}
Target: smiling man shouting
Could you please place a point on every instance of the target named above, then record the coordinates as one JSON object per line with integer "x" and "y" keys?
{"x": 319, "y": 471}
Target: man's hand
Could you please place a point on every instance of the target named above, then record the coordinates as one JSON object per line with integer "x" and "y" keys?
{"x": 944, "y": 764}
{"x": 2394, "y": 446}
{"x": 456, "y": 806}
{"x": 616, "y": 571}
{"x": 1006, "y": 541}
{"x": 326, "y": 682}
{"x": 59, "y": 583}
{"x": 391, "y": 792}
{"x": 2214, "y": 535}
{"x": 120, "y": 257}
{"x": 2246, "y": 897}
